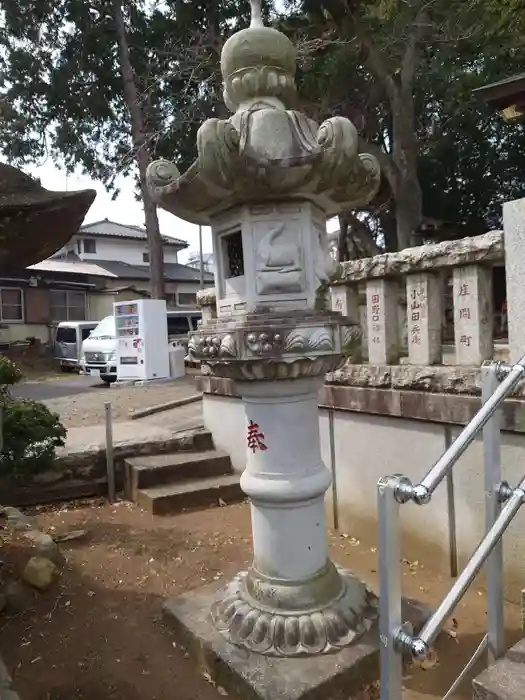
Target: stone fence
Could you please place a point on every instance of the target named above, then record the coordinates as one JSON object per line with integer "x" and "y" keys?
{"x": 400, "y": 300}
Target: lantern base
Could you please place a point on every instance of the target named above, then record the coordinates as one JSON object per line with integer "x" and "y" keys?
{"x": 295, "y": 618}
{"x": 241, "y": 673}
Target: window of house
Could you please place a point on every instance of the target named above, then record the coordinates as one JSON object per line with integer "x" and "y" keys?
{"x": 11, "y": 304}
{"x": 90, "y": 245}
{"x": 187, "y": 298}
{"x": 79, "y": 246}
{"x": 171, "y": 300}
{"x": 145, "y": 257}
{"x": 67, "y": 305}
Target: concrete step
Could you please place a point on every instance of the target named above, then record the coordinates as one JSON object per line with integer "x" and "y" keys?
{"x": 191, "y": 493}
{"x": 157, "y": 470}
{"x": 504, "y": 679}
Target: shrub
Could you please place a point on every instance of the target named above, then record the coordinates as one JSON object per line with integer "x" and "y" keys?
{"x": 31, "y": 432}
{"x": 9, "y": 374}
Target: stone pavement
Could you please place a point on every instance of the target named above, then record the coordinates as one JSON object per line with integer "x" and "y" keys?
{"x": 157, "y": 427}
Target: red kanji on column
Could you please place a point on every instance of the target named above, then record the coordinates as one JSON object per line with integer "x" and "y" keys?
{"x": 255, "y": 437}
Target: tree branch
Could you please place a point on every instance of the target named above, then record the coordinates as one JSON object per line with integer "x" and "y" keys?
{"x": 377, "y": 64}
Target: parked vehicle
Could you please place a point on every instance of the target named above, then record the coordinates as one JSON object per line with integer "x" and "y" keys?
{"x": 99, "y": 350}
{"x": 67, "y": 346}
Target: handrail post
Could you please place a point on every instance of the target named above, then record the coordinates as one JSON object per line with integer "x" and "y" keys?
{"x": 492, "y": 481}
{"x": 451, "y": 510}
{"x": 389, "y": 556}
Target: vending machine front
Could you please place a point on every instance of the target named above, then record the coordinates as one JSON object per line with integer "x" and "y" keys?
{"x": 129, "y": 342}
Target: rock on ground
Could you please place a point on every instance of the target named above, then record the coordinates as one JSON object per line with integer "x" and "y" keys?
{"x": 40, "y": 573}
{"x": 17, "y": 597}
{"x": 44, "y": 545}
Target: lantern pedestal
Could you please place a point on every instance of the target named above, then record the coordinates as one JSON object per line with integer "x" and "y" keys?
{"x": 251, "y": 676}
{"x": 293, "y": 601}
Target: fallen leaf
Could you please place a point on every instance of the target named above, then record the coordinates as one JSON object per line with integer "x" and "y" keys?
{"x": 208, "y": 678}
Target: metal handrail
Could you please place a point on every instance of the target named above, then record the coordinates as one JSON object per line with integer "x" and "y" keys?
{"x": 422, "y": 492}
{"x": 394, "y": 491}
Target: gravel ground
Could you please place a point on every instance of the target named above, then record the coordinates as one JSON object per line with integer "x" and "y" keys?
{"x": 98, "y": 633}
{"x": 88, "y": 408}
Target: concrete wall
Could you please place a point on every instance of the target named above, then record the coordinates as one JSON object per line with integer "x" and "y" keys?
{"x": 370, "y": 446}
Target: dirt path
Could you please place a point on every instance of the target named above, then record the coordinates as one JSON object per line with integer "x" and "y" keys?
{"x": 99, "y": 635}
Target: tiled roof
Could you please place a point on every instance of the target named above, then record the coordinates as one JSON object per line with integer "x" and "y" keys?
{"x": 72, "y": 267}
{"x": 116, "y": 230}
{"x": 172, "y": 271}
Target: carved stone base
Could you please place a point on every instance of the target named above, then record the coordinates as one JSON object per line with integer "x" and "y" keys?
{"x": 286, "y": 618}
{"x": 268, "y": 346}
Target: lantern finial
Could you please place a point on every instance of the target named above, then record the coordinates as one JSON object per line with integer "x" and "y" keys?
{"x": 257, "y": 20}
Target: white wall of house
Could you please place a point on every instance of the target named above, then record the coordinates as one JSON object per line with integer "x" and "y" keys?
{"x": 368, "y": 447}
{"x": 124, "y": 250}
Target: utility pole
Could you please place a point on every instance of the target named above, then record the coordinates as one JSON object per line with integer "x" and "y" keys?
{"x": 201, "y": 259}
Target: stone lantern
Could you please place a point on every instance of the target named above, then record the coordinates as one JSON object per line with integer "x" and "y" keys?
{"x": 266, "y": 179}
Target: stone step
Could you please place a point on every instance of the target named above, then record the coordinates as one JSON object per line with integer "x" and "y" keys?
{"x": 157, "y": 470}
{"x": 505, "y": 679}
{"x": 192, "y": 493}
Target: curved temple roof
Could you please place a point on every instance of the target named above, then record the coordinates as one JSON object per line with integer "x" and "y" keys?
{"x": 35, "y": 222}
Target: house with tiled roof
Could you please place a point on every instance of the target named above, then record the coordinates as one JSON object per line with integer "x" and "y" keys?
{"x": 103, "y": 263}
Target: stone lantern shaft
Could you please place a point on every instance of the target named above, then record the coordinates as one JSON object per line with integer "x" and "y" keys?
{"x": 265, "y": 180}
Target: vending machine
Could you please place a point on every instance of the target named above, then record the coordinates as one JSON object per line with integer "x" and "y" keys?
{"x": 142, "y": 340}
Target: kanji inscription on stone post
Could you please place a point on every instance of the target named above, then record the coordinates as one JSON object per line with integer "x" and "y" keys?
{"x": 345, "y": 299}
{"x": 473, "y": 314}
{"x": 382, "y": 321}
{"x": 424, "y": 301}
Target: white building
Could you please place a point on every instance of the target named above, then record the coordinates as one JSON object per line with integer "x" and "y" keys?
{"x": 194, "y": 261}
{"x": 110, "y": 241}
{"x": 103, "y": 263}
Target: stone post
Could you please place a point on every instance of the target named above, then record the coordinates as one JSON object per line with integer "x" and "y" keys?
{"x": 473, "y": 315}
{"x": 383, "y": 321}
{"x": 207, "y": 303}
{"x": 424, "y": 312}
{"x": 514, "y": 227}
{"x": 345, "y": 300}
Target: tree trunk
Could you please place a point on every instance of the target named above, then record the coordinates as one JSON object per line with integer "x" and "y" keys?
{"x": 138, "y": 137}
{"x": 355, "y": 238}
{"x": 403, "y": 177}
{"x": 404, "y": 152}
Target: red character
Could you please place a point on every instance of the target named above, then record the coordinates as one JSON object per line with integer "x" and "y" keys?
{"x": 255, "y": 438}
